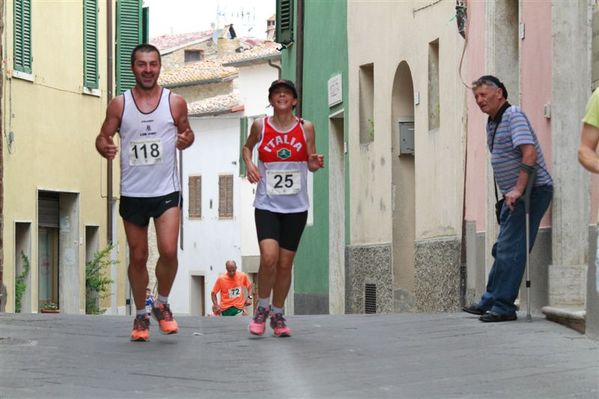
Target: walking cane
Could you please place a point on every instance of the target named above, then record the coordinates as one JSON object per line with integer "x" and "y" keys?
{"x": 527, "y": 192}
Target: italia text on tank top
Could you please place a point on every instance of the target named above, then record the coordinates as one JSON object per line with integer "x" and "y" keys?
{"x": 283, "y": 166}
{"x": 148, "y": 149}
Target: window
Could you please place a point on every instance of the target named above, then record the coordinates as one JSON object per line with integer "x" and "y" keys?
{"x": 366, "y": 81}
{"x": 129, "y": 31}
{"x": 225, "y": 196}
{"x": 22, "y": 35}
{"x": 434, "y": 102}
{"x": 90, "y": 44}
{"x": 284, "y": 27}
{"x": 195, "y": 196}
{"x": 194, "y": 55}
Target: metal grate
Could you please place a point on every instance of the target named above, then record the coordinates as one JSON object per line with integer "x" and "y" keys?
{"x": 370, "y": 298}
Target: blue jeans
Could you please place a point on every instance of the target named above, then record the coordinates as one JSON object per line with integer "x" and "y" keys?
{"x": 510, "y": 251}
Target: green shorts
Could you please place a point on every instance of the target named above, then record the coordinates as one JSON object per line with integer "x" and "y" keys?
{"x": 232, "y": 311}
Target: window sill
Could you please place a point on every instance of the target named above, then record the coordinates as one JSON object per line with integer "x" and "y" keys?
{"x": 23, "y": 75}
{"x": 92, "y": 92}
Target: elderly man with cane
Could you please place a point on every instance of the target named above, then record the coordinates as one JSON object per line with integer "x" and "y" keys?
{"x": 518, "y": 163}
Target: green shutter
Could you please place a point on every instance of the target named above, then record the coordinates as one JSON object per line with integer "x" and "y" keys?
{"x": 145, "y": 25}
{"x": 128, "y": 35}
{"x": 90, "y": 44}
{"x": 243, "y": 135}
{"x": 284, "y": 27}
{"x": 22, "y": 35}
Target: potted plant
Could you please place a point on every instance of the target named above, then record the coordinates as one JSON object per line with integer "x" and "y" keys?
{"x": 50, "y": 307}
{"x": 21, "y": 283}
{"x": 97, "y": 282}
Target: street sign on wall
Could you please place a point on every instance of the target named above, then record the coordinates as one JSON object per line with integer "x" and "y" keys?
{"x": 335, "y": 90}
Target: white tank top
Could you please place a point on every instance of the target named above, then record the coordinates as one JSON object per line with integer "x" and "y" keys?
{"x": 148, "y": 149}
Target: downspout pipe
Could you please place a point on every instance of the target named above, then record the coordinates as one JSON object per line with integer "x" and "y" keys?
{"x": 109, "y": 95}
{"x": 109, "y": 194}
{"x": 299, "y": 69}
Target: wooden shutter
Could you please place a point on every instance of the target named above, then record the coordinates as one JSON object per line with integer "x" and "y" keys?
{"x": 90, "y": 44}
{"x": 225, "y": 196}
{"x": 284, "y": 27}
{"x": 195, "y": 196}
{"x": 128, "y": 35}
{"x": 22, "y": 35}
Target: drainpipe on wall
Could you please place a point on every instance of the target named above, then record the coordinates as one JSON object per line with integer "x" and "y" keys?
{"x": 2, "y": 290}
{"x": 109, "y": 193}
{"x": 278, "y": 68}
{"x": 299, "y": 68}
{"x": 109, "y": 83}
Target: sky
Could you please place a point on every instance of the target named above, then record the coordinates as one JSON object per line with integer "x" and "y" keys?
{"x": 182, "y": 16}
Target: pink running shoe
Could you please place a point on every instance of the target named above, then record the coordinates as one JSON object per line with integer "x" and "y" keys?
{"x": 277, "y": 323}
{"x": 258, "y": 323}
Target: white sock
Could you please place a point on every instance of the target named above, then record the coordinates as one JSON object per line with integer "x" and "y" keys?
{"x": 162, "y": 299}
{"x": 264, "y": 302}
{"x": 276, "y": 310}
{"x": 141, "y": 312}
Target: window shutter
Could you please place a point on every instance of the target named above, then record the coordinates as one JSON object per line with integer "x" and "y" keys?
{"x": 90, "y": 44}
{"x": 243, "y": 135}
{"x": 225, "y": 196}
{"x": 145, "y": 25}
{"x": 195, "y": 196}
{"x": 284, "y": 27}
{"x": 128, "y": 35}
{"x": 22, "y": 35}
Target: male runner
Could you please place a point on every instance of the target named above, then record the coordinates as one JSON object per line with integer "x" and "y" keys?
{"x": 152, "y": 124}
{"x": 230, "y": 287}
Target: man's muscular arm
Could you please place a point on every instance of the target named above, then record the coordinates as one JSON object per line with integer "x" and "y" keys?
{"x": 104, "y": 141}
{"x": 587, "y": 152}
{"x": 185, "y": 136}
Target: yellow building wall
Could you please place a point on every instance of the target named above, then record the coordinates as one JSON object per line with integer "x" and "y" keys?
{"x": 54, "y": 125}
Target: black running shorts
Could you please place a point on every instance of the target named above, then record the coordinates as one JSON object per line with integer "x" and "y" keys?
{"x": 285, "y": 228}
{"x": 138, "y": 210}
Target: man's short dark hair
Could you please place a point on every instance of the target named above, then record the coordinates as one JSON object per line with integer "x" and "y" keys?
{"x": 490, "y": 80}
{"x": 145, "y": 48}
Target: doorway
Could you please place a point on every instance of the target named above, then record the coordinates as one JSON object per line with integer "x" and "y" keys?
{"x": 403, "y": 189}
{"x": 336, "y": 165}
{"x": 197, "y": 296}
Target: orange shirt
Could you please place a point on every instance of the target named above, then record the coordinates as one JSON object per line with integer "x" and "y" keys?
{"x": 231, "y": 289}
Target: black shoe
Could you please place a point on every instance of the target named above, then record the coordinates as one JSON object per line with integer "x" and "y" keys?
{"x": 492, "y": 317}
{"x": 474, "y": 309}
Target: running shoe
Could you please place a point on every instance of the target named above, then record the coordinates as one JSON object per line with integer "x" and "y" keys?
{"x": 258, "y": 323}
{"x": 277, "y": 323}
{"x": 165, "y": 319}
{"x": 141, "y": 329}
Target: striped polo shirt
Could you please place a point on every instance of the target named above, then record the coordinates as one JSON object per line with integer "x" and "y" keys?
{"x": 513, "y": 131}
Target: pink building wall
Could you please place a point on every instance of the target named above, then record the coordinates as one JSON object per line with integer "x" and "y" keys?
{"x": 535, "y": 74}
{"x": 535, "y": 82}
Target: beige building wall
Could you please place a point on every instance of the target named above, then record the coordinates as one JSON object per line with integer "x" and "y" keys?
{"x": 405, "y": 31}
{"x": 53, "y": 121}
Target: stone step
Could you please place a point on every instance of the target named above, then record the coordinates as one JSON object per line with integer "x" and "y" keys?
{"x": 569, "y": 316}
